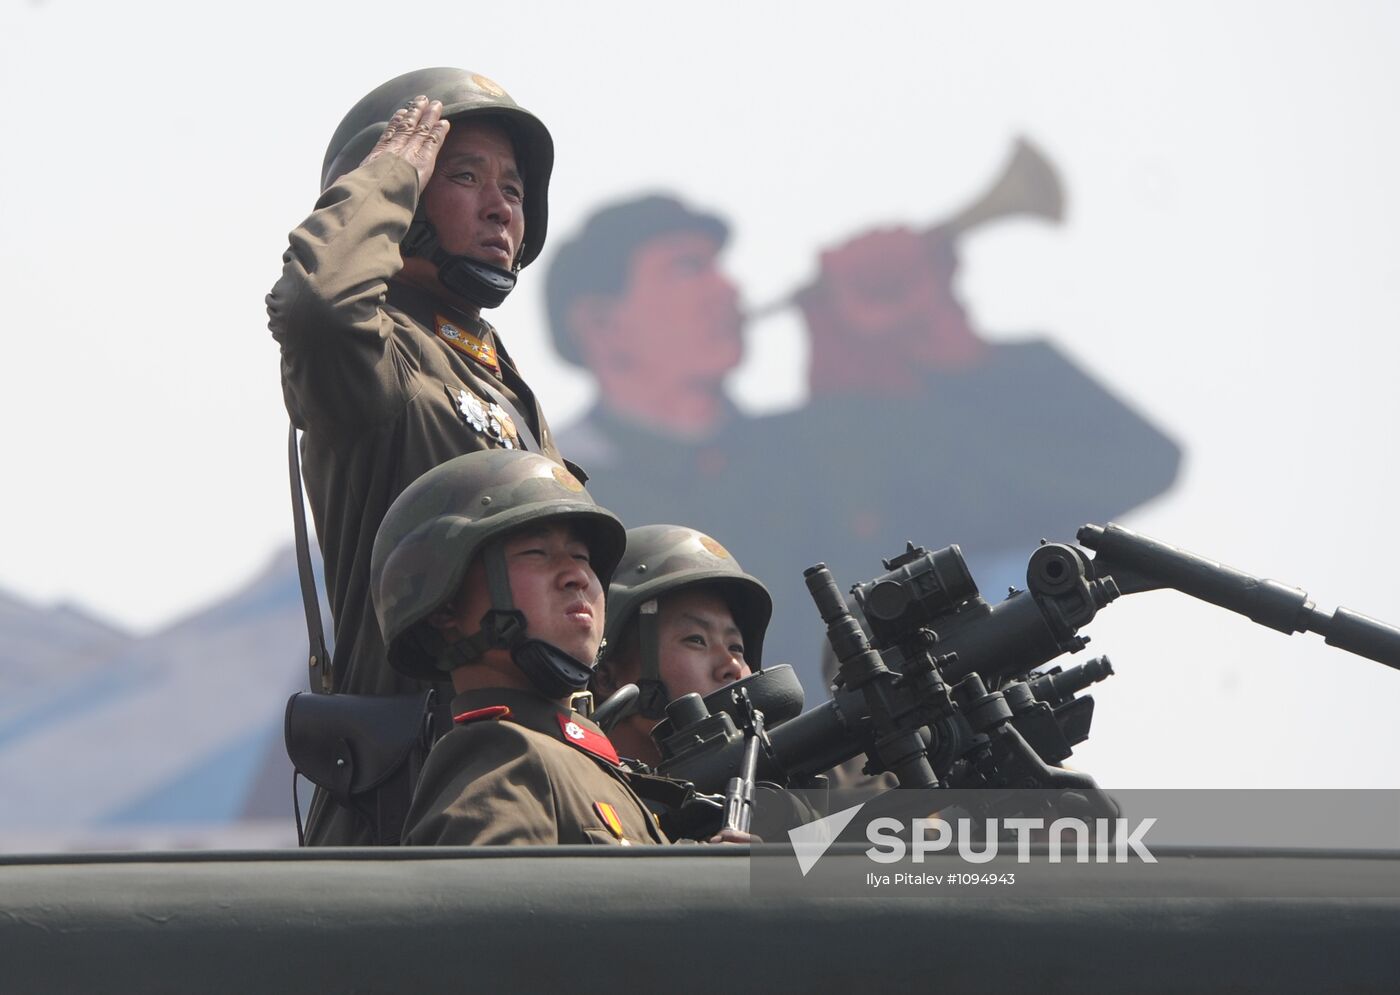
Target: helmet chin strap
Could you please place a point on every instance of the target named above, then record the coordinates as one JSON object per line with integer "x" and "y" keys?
{"x": 550, "y": 671}
{"x": 480, "y": 283}
{"x": 654, "y": 696}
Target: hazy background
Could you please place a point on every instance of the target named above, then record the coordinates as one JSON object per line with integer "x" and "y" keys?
{"x": 1229, "y": 262}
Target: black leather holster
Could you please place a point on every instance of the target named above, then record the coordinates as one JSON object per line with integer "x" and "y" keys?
{"x": 365, "y": 751}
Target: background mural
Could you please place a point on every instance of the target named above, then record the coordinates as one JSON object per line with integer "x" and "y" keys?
{"x": 915, "y": 426}
{"x": 1198, "y": 339}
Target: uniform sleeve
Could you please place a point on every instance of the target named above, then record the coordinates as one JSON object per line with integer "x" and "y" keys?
{"x": 483, "y": 785}
{"x": 339, "y": 366}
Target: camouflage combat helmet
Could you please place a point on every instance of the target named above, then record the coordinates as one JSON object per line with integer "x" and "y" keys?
{"x": 661, "y": 559}
{"x": 455, "y": 512}
{"x": 463, "y": 94}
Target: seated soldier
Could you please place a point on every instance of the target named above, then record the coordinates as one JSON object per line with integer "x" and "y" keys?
{"x": 492, "y": 568}
{"x": 683, "y": 617}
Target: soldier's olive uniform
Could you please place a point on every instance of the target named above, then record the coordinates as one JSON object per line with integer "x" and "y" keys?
{"x": 385, "y": 380}
{"x": 379, "y": 393}
{"x": 520, "y": 769}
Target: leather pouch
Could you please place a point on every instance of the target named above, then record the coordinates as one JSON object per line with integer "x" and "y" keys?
{"x": 364, "y": 750}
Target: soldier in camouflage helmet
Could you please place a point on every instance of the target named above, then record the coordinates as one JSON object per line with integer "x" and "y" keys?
{"x": 683, "y": 617}
{"x": 492, "y": 569}
{"x": 434, "y": 195}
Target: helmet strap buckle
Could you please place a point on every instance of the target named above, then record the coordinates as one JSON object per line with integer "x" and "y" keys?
{"x": 482, "y": 284}
{"x": 652, "y": 698}
{"x": 503, "y": 628}
{"x": 552, "y": 672}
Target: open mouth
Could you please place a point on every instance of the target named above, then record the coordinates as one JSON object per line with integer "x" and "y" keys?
{"x": 497, "y": 246}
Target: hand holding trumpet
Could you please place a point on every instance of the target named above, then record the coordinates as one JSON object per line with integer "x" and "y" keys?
{"x": 883, "y": 310}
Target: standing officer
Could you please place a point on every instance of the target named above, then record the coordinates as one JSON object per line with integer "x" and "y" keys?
{"x": 683, "y": 617}
{"x": 435, "y": 194}
{"x": 492, "y": 568}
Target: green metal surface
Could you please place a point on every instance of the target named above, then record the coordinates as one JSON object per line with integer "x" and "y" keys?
{"x": 679, "y": 919}
{"x": 663, "y": 558}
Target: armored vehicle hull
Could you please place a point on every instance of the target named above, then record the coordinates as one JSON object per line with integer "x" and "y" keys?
{"x": 675, "y": 920}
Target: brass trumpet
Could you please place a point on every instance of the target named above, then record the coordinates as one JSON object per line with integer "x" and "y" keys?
{"x": 1028, "y": 185}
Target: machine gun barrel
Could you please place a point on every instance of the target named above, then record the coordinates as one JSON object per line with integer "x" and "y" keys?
{"x": 1139, "y": 563}
{"x": 738, "y": 794}
{"x": 1061, "y": 687}
{"x": 1359, "y": 634}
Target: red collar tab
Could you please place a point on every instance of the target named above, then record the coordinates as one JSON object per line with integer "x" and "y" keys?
{"x": 489, "y": 712}
{"x": 467, "y": 344}
{"x": 587, "y": 740}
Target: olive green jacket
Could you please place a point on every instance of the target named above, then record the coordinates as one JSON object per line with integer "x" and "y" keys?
{"x": 381, "y": 397}
{"x": 520, "y": 769}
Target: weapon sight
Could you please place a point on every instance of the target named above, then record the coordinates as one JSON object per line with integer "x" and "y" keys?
{"x": 943, "y": 688}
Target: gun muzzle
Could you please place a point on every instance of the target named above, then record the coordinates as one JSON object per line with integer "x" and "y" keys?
{"x": 1359, "y": 634}
{"x": 1057, "y": 688}
{"x": 1267, "y": 602}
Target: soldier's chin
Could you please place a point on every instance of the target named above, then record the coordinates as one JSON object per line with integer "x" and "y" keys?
{"x": 585, "y": 651}
{"x": 500, "y": 260}
{"x": 481, "y": 254}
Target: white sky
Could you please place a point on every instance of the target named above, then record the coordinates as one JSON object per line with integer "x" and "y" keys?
{"x": 1230, "y": 261}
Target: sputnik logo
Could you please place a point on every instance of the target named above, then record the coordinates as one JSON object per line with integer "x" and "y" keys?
{"x": 811, "y": 841}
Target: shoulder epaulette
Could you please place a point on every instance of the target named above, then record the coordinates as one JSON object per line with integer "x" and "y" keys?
{"x": 477, "y": 714}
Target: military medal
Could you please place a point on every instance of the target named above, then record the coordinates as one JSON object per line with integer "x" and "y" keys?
{"x": 504, "y": 427}
{"x": 490, "y": 419}
{"x": 609, "y": 816}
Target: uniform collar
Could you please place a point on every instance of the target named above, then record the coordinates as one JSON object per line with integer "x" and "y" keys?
{"x": 424, "y": 308}
{"x": 538, "y": 714}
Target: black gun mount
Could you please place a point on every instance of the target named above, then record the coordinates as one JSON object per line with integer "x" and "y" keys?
{"x": 946, "y": 691}
{"x": 928, "y": 717}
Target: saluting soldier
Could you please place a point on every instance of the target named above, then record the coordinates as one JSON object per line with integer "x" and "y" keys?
{"x": 492, "y": 569}
{"x": 434, "y": 196}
